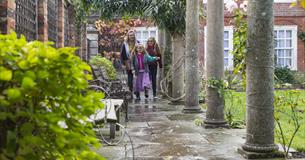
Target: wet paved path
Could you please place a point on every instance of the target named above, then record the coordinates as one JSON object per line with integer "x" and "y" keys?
{"x": 162, "y": 131}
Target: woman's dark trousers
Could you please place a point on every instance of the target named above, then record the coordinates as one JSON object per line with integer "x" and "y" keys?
{"x": 153, "y": 77}
{"x": 130, "y": 80}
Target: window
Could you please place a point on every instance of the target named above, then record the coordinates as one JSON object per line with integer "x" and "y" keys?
{"x": 227, "y": 45}
{"x": 143, "y": 33}
{"x": 52, "y": 21}
{"x": 66, "y": 26}
{"x": 26, "y": 18}
{"x": 285, "y": 39}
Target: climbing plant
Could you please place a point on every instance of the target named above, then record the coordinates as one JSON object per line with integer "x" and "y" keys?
{"x": 239, "y": 43}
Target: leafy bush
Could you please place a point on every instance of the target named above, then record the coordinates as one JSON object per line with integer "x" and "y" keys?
{"x": 283, "y": 75}
{"x": 299, "y": 78}
{"x": 44, "y": 104}
{"x": 106, "y": 64}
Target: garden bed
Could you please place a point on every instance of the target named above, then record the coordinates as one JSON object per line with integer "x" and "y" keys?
{"x": 236, "y": 104}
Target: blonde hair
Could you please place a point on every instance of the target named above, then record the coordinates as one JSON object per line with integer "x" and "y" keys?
{"x": 141, "y": 46}
{"x": 127, "y": 40}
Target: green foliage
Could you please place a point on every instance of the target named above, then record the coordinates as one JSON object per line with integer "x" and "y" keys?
{"x": 230, "y": 102}
{"x": 288, "y": 112}
{"x": 217, "y": 84}
{"x": 300, "y": 2}
{"x": 198, "y": 122}
{"x": 44, "y": 102}
{"x": 103, "y": 62}
{"x": 235, "y": 109}
{"x": 111, "y": 9}
{"x": 301, "y": 35}
{"x": 168, "y": 14}
{"x": 299, "y": 78}
{"x": 284, "y": 75}
{"x": 232, "y": 81}
{"x": 239, "y": 43}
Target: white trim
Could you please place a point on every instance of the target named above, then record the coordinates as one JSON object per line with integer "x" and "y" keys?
{"x": 275, "y": 1}
{"x": 294, "y": 45}
{"x": 284, "y": 1}
{"x": 230, "y": 56}
{"x": 149, "y": 29}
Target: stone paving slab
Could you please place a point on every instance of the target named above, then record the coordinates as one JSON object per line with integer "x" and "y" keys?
{"x": 160, "y": 131}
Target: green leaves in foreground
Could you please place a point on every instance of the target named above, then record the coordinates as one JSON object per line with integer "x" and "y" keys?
{"x": 44, "y": 102}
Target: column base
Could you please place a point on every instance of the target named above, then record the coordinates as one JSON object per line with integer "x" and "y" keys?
{"x": 255, "y": 155}
{"x": 215, "y": 124}
{"x": 194, "y": 109}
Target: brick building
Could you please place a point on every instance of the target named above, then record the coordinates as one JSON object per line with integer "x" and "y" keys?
{"x": 289, "y": 22}
{"x": 43, "y": 20}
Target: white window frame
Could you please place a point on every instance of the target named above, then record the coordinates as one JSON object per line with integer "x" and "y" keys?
{"x": 284, "y": 1}
{"x": 230, "y": 48}
{"x": 294, "y": 41}
{"x": 149, "y": 29}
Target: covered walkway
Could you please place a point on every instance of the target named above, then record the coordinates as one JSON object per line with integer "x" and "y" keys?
{"x": 162, "y": 131}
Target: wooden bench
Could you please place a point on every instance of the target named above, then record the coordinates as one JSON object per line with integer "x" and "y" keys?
{"x": 116, "y": 99}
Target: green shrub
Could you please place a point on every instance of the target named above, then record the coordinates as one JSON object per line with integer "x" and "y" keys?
{"x": 44, "y": 104}
{"x": 299, "y": 78}
{"x": 106, "y": 64}
{"x": 283, "y": 75}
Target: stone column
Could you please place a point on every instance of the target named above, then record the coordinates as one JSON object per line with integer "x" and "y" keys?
{"x": 43, "y": 20}
{"x": 214, "y": 64}
{"x": 161, "y": 42}
{"x": 178, "y": 60}
{"x": 167, "y": 60}
{"x": 191, "y": 61}
{"x": 61, "y": 24}
{"x": 260, "y": 91}
{"x": 7, "y": 16}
